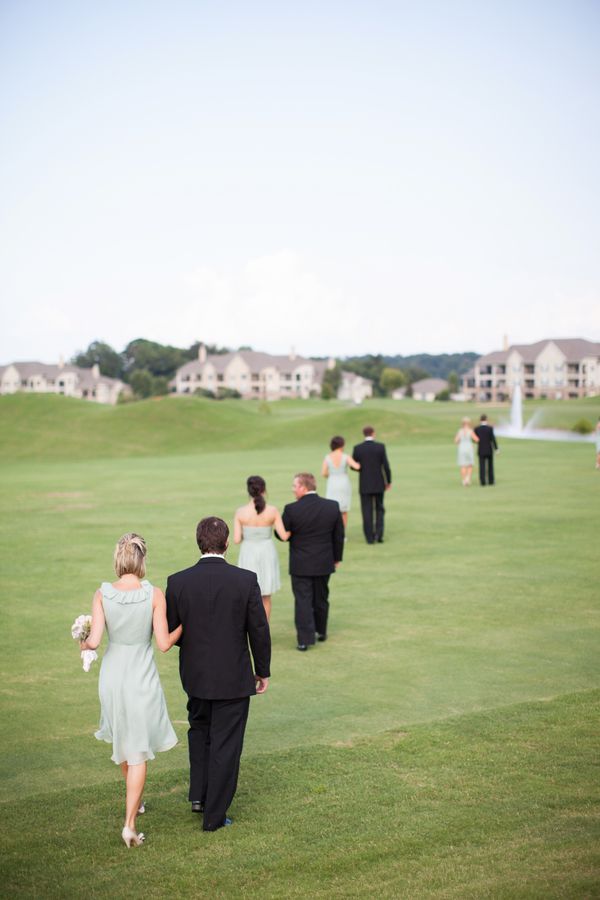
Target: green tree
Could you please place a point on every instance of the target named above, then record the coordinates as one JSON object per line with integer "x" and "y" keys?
{"x": 103, "y": 355}
{"x": 158, "y": 359}
{"x": 142, "y": 383}
{"x": 453, "y": 383}
{"x": 390, "y": 379}
{"x": 331, "y": 382}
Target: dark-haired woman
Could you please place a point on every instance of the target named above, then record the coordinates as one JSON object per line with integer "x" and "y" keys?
{"x": 335, "y": 470}
{"x": 253, "y": 526}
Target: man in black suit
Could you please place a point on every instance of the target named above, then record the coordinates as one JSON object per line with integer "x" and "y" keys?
{"x": 316, "y": 550}
{"x": 221, "y": 609}
{"x": 485, "y": 448}
{"x": 375, "y": 477}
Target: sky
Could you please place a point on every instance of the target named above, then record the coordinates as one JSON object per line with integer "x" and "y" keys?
{"x": 338, "y": 177}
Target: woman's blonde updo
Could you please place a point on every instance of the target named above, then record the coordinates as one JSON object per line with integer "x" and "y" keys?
{"x": 130, "y": 555}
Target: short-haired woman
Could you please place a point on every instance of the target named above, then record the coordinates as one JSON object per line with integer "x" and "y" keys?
{"x": 133, "y": 712}
{"x": 335, "y": 470}
{"x": 465, "y": 437}
{"x": 253, "y": 526}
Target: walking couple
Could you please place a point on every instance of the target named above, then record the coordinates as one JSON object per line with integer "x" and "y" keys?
{"x": 214, "y": 612}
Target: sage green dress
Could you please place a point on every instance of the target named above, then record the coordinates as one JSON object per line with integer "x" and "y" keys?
{"x": 258, "y": 554}
{"x": 133, "y": 711}
{"x": 339, "y": 486}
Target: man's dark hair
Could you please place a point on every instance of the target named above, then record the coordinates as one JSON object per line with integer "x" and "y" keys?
{"x": 212, "y": 535}
{"x": 483, "y": 418}
{"x": 368, "y": 430}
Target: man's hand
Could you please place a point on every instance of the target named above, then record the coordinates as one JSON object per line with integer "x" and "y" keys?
{"x": 336, "y": 564}
{"x": 387, "y": 487}
{"x": 261, "y": 684}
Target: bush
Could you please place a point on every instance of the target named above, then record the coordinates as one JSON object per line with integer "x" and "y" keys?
{"x": 443, "y": 395}
{"x": 583, "y": 426}
{"x": 202, "y": 392}
{"x": 225, "y": 393}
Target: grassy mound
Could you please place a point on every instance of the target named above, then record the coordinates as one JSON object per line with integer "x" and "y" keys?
{"x": 47, "y": 427}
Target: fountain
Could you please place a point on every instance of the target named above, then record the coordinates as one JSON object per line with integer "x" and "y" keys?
{"x": 516, "y": 429}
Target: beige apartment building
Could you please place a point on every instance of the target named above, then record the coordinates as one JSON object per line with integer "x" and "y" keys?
{"x": 252, "y": 374}
{"x": 558, "y": 369}
{"x": 71, "y": 381}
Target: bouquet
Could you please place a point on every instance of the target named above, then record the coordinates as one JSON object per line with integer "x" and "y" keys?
{"x": 80, "y": 631}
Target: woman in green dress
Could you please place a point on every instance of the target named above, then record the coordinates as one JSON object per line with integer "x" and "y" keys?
{"x": 253, "y": 526}
{"x": 133, "y": 712}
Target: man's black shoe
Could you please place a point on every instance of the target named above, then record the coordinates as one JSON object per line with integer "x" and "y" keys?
{"x": 380, "y": 540}
{"x": 302, "y": 647}
{"x": 225, "y": 822}
{"x": 197, "y": 806}
{"x": 321, "y": 637}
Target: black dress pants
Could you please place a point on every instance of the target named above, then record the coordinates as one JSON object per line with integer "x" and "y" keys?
{"x": 372, "y": 516}
{"x": 311, "y": 594}
{"x": 486, "y": 470}
{"x": 215, "y": 741}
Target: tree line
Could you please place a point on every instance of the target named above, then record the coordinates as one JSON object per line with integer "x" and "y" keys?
{"x": 148, "y": 366}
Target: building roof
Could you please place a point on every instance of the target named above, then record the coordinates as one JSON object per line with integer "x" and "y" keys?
{"x": 354, "y": 376}
{"x": 53, "y": 371}
{"x": 574, "y": 349}
{"x": 430, "y": 386}
{"x": 255, "y": 360}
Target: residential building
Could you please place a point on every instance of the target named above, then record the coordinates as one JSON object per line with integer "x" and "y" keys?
{"x": 252, "y": 374}
{"x": 557, "y": 368}
{"x": 354, "y": 387}
{"x": 72, "y": 381}
{"x": 428, "y": 388}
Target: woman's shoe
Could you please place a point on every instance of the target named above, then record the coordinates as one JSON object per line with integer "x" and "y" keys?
{"x": 131, "y": 838}
{"x": 141, "y": 810}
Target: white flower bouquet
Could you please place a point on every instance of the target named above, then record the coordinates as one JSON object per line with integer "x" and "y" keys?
{"x": 80, "y": 631}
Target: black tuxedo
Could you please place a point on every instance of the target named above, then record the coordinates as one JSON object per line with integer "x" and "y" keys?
{"x": 374, "y": 476}
{"x": 316, "y": 545}
{"x": 221, "y": 610}
{"x": 485, "y": 449}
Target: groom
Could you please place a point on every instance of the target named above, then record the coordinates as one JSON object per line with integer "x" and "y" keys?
{"x": 221, "y": 610}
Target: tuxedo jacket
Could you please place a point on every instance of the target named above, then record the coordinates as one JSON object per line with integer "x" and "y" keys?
{"x": 221, "y": 610}
{"x": 487, "y": 440}
{"x": 317, "y": 540}
{"x": 375, "y": 472}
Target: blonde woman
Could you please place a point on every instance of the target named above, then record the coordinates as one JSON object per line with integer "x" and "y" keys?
{"x": 133, "y": 712}
{"x": 253, "y": 526}
{"x": 465, "y": 437}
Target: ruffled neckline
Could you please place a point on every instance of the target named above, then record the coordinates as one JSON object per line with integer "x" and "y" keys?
{"x": 137, "y": 595}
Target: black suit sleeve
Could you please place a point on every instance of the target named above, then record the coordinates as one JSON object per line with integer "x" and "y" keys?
{"x": 494, "y": 440}
{"x": 258, "y": 633}
{"x": 338, "y": 539}
{"x": 386, "y": 468}
{"x": 173, "y": 619}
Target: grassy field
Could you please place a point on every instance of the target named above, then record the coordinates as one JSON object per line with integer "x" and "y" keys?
{"x": 443, "y": 743}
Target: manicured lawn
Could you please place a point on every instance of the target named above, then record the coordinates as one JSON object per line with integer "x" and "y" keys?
{"x": 442, "y": 743}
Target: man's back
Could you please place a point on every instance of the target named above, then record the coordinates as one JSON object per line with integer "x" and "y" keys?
{"x": 220, "y": 608}
{"x": 317, "y": 540}
{"x": 487, "y": 440}
{"x": 375, "y": 470}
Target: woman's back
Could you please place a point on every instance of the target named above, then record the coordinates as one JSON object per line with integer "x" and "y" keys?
{"x": 128, "y": 613}
{"x": 248, "y": 516}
